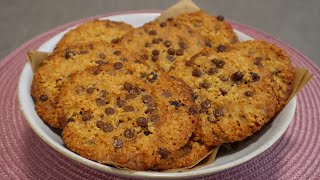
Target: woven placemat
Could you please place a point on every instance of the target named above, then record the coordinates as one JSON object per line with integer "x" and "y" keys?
{"x": 23, "y": 155}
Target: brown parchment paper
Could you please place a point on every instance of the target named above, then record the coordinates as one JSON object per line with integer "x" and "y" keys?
{"x": 302, "y": 76}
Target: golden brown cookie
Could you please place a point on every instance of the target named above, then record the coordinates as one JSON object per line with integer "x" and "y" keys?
{"x": 160, "y": 45}
{"x": 57, "y": 68}
{"x": 93, "y": 31}
{"x": 274, "y": 60}
{"x": 130, "y": 116}
{"x": 235, "y": 98}
{"x": 216, "y": 30}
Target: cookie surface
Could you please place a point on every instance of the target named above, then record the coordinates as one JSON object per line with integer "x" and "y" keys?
{"x": 160, "y": 45}
{"x": 126, "y": 116}
{"x": 273, "y": 59}
{"x": 93, "y": 31}
{"x": 58, "y": 67}
{"x": 216, "y": 31}
{"x": 235, "y": 98}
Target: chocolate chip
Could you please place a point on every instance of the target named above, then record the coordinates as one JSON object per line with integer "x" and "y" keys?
{"x": 166, "y": 94}
{"x": 208, "y": 44}
{"x": 100, "y": 102}
{"x": 117, "y": 143}
{"x": 254, "y": 76}
{"x": 167, "y": 43}
{"x": 152, "y": 77}
{"x": 117, "y": 65}
{"x": 100, "y": 124}
{"x": 121, "y": 103}
{"x": 142, "y": 121}
{"x": 175, "y": 103}
{"x": 163, "y": 24}
{"x": 163, "y": 152}
{"x": 189, "y": 63}
{"x": 151, "y": 107}
{"x": 205, "y": 85}
{"x": 95, "y": 70}
{"x": 144, "y": 57}
{"x": 205, "y": 104}
{"x": 171, "y": 51}
{"x": 155, "y": 52}
{"x": 43, "y": 97}
{"x": 170, "y": 19}
{"x": 102, "y": 56}
{"x": 155, "y": 118}
{"x": 79, "y": 90}
{"x": 212, "y": 71}
{"x": 147, "y": 44}
{"x": 155, "y": 58}
{"x": 107, "y": 127}
{"x": 258, "y": 61}
{"x": 84, "y": 52}
{"x": 223, "y": 92}
{"x": 103, "y": 93}
{"x": 85, "y": 116}
{"x": 197, "y": 73}
{"x": 220, "y": 18}
{"x": 221, "y": 48}
{"x": 179, "y": 52}
{"x": 128, "y": 86}
{"x": 124, "y": 59}
{"x": 117, "y": 53}
{"x": 237, "y": 76}
{"x": 90, "y": 90}
{"x": 182, "y": 45}
{"x": 218, "y": 113}
{"x": 156, "y": 40}
{"x": 101, "y": 62}
{"x": 147, "y": 132}
{"x": 193, "y": 110}
{"x": 137, "y": 61}
{"x": 129, "y": 133}
{"x": 67, "y": 55}
{"x": 212, "y": 119}
{"x": 136, "y": 91}
{"x": 218, "y": 62}
{"x": 128, "y": 109}
{"x": 115, "y": 41}
{"x": 152, "y": 32}
{"x": 131, "y": 96}
{"x": 147, "y": 99}
{"x": 170, "y": 58}
{"x": 109, "y": 111}
{"x": 249, "y": 93}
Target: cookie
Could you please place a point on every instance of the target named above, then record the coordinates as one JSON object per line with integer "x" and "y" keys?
{"x": 57, "y": 68}
{"x": 235, "y": 98}
{"x": 93, "y": 31}
{"x": 129, "y": 116}
{"x": 217, "y": 32}
{"x": 273, "y": 59}
{"x": 160, "y": 45}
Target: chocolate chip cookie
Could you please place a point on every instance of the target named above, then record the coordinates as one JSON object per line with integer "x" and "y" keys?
{"x": 235, "y": 98}
{"x": 217, "y": 32}
{"x": 273, "y": 59}
{"x": 58, "y": 67}
{"x": 93, "y": 31}
{"x": 160, "y": 45}
{"x": 129, "y": 116}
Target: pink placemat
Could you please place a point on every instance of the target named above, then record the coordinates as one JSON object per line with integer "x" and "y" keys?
{"x": 23, "y": 155}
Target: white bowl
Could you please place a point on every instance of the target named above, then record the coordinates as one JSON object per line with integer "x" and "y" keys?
{"x": 246, "y": 150}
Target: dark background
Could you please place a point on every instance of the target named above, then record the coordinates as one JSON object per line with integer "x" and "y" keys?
{"x": 296, "y": 22}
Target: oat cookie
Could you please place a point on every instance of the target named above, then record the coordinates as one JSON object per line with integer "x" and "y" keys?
{"x": 93, "y": 31}
{"x": 215, "y": 29}
{"x": 160, "y": 45}
{"x": 58, "y": 67}
{"x": 131, "y": 117}
{"x": 235, "y": 98}
{"x": 274, "y": 60}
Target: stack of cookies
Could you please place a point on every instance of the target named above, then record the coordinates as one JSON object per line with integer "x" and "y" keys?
{"x": 160, "y": 96}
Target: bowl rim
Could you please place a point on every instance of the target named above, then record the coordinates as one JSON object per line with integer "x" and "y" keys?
{"x": 136, "y": 174}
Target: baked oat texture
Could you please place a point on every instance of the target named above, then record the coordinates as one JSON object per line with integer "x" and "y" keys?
{"x": 57, "y": 68}
{"x": 93, "y": 31}
{"x": 127, "y": 116}
{"x": 215, "y": 29}
{"x": 160, "y": 45}
{"x": 235, "y": 98}
{"x": 273, "y": 59}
